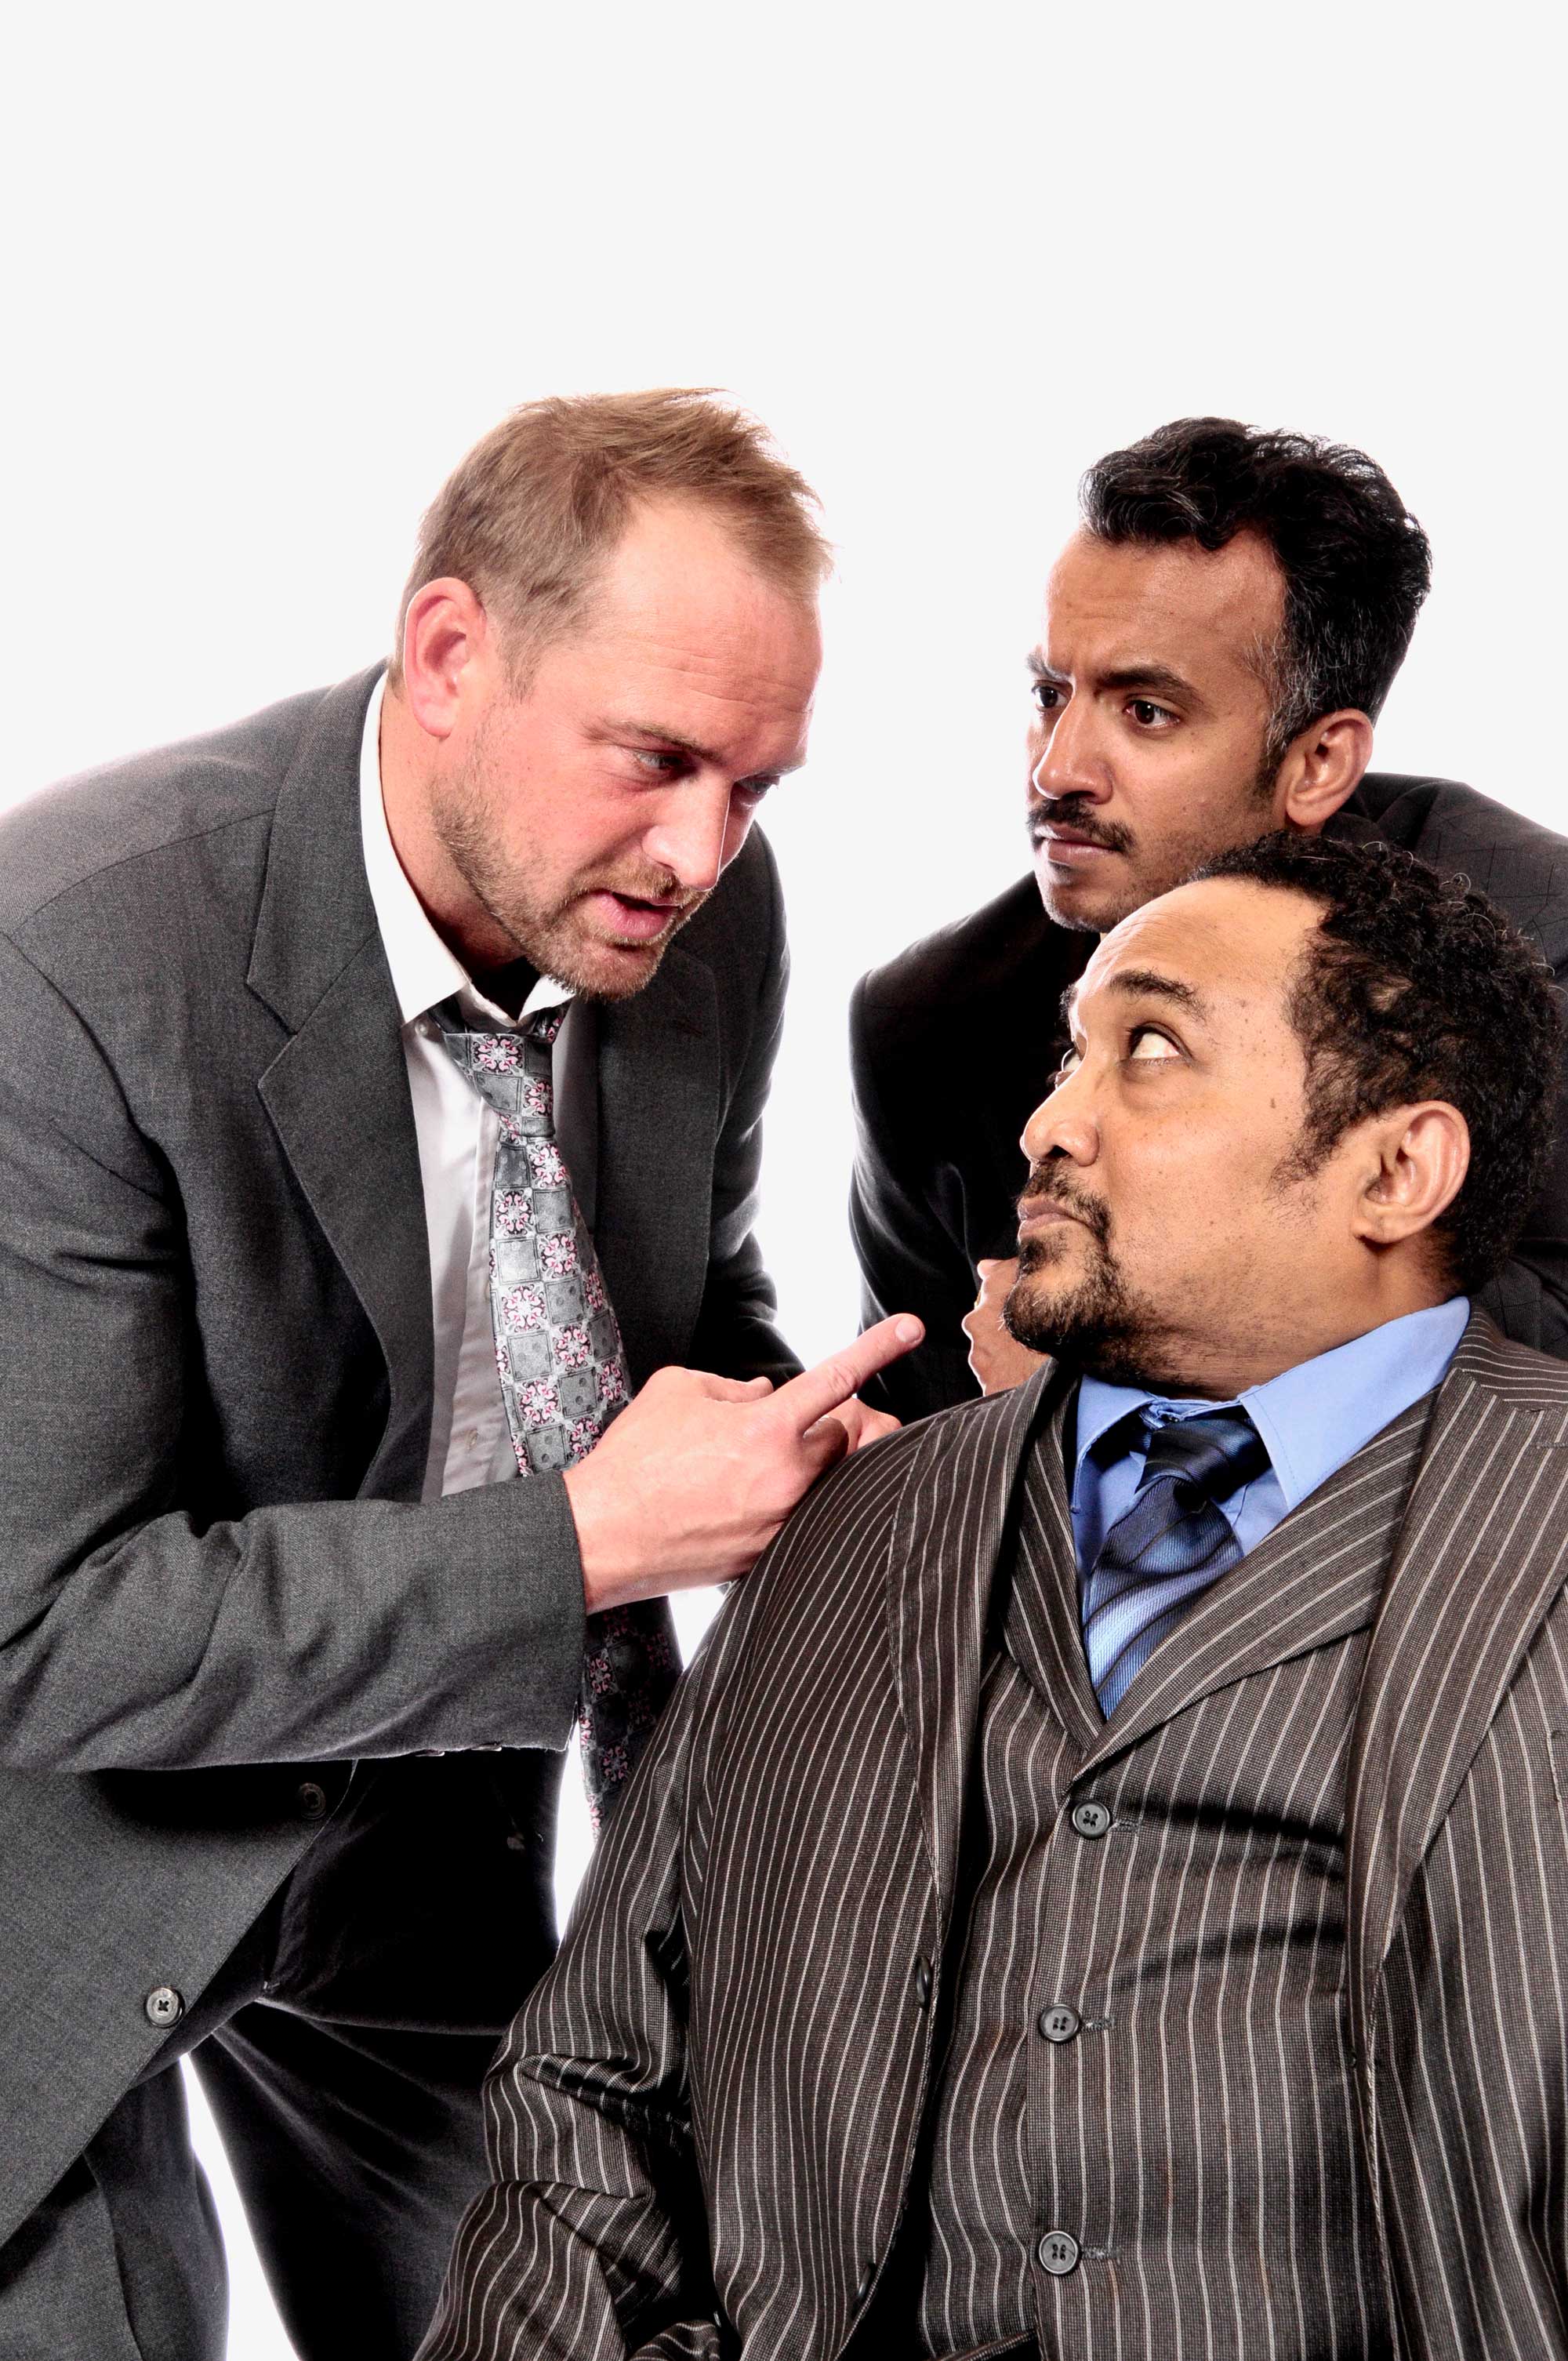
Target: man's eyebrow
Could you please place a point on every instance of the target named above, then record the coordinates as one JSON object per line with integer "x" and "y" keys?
{"x": 1155, "y": 679}
{"x": 698, "y": 753}
{"x": 1158, "y": 679}
{"x": 1147, "y": 983}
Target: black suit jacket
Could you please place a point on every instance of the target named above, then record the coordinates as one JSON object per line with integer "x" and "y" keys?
{"x": 953, "y": 1045}
{"x": 218, "y": 1586}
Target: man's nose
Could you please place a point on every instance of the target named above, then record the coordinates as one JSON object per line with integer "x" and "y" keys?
{"x": 1063, "y": 1124}
{"x": 1071, "y": 762}
{"x": 691, "y": 836}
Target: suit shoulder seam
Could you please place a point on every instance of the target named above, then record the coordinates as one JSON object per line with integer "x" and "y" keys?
{"x": 128, "y": 860}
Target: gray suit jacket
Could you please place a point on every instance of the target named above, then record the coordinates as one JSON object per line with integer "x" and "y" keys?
{"x": 706, "y": 2123}
{"x": 215, "y": 1389}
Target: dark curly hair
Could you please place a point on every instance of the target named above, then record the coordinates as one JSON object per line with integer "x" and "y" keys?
{"x": 1356, "y": 564}
{"x": 1415, "y": 986}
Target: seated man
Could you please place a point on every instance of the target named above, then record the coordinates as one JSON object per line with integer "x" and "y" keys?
{"x": 1218, "y": 641}
{"x": 1105, "y": 1889}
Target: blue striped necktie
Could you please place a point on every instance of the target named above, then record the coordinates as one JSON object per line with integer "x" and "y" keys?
{"x": 1170, "y": 1545}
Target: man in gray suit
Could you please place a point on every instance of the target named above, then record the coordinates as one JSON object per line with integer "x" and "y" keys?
{"x": 1218, "y": 641}
{"x": 366, "y": 1137}
{"x": 1103, "y": 1892}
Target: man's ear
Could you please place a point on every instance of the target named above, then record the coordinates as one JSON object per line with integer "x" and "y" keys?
{"x": 1417, "y": 1158}
{"x": 445, "y": 634}
{"x": 1320, "y": 770}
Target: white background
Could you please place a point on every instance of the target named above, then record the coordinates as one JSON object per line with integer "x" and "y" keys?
{"x": 273, "y": 270}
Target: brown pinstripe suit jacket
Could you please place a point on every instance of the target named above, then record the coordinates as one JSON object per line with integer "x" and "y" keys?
{"x": 705, "y": 2120}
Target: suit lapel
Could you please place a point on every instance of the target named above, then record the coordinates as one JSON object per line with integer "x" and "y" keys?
{"x": 1481, "y": 1555}
{"x": 337, "y": 1091}
{"x": 948, "y": 1535}
{"x": 1044, "y": 1626}
{"x": 658, "y": 1120}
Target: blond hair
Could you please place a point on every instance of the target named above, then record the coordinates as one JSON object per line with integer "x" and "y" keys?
{"x": 530, "y": 517}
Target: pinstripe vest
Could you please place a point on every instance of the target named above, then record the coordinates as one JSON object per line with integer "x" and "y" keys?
{"x": 1150, "y": 2046}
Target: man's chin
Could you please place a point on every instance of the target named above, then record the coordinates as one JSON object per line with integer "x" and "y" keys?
{"x": 607, "y": 970}
{"x": 597, "y": 962}
{"x": 1091, "y": 905}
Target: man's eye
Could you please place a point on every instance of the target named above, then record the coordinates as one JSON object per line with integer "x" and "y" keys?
{"x": 1047, "y": 695}
{"x": 1144, "y": 1044}
{"x": 1147, "y": 714}
{"x": 662, "y": 763}
{"x": 1071, "y": 1060}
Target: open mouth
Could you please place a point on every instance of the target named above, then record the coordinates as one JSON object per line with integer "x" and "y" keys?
{"x": 635, "y": 920}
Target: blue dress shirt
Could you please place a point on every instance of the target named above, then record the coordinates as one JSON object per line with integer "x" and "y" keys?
{"x": 1312, "y": 1418}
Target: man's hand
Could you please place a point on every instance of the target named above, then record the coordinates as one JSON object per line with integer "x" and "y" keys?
{"x": 697, "y": 1474}
{"x": 997, "y": 1359}
{"x": 863, "y": 1425}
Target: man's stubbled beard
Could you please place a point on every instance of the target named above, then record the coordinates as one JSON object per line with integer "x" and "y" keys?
{"x": 1100, "y": 1324}
{"x": 1078, "y": 813}
{"x": 541, "y": 927}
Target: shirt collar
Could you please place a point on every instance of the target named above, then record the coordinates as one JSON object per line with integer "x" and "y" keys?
{"x": 1316, "y": 1416}
{"x": 424, "y": 970}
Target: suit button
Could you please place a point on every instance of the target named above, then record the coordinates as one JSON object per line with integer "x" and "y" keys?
{"x": 1058, "y": 2253}
{"x": 922, "y": 1983}
{"x": 864, "y": 2288}
{"x": 1090, "y": 1820}
{"x": 310, "y": 1799}
{"x": 163, "y": 2005}
{"x": 1059, "y": 2022}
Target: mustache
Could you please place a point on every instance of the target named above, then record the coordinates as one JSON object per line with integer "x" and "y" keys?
{"x": 1045, "y": 1186}
{"x": 653, "y": 885}
{"x": 1077, "y": 813}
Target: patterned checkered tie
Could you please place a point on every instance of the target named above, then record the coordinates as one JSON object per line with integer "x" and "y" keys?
{"x": 1170, "y": 1546}
{"x": 563, "y": 1369}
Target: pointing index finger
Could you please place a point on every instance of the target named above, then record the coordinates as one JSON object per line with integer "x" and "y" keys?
{"x": 817, "y": 1392}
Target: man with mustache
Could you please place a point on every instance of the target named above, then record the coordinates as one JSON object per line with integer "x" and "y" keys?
{"x": 380, "y": 1090}
{"x": 1219, "y": 638}
{"x": 1103, "y": 1890}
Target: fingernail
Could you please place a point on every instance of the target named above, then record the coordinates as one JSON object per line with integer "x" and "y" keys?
{"x": 909, "y": 1331}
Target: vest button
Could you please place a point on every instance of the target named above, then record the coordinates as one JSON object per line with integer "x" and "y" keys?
{"x": 1059, "y": 2022}
{"x": 922, "y": 1983}
{"x": 163, "y": 2005}
{"x": 1090, "y": 1820}
{"x": 1058, "y": 2251}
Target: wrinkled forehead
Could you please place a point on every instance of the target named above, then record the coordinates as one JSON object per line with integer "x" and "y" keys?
{"x": 1224, "y": 948}
{"x": 1127, "y": 601}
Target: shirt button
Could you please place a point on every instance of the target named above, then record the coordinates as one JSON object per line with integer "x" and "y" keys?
{"x": 1059, "y": 2022}
{"x": 1058, "y": 2253}
{"x": 1090, "y": 1820}
{"x": 163, "y": 2005}
{"x": 310, "y": 1799}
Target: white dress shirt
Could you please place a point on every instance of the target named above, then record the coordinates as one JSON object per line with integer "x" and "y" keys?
{"x": 457, "y": 1134}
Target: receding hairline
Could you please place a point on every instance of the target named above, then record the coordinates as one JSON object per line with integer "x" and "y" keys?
{"x": 532, "y": 515}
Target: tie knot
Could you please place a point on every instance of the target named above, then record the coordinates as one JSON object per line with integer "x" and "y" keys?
{"x": 1210, "y": 1457}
